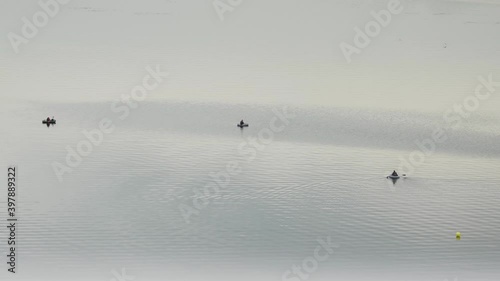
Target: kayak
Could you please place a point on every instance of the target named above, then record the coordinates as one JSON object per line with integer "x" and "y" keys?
{"x": 241, "y": 126}
{"x": 49, "y": 122}
{"x": 396, "y": 177}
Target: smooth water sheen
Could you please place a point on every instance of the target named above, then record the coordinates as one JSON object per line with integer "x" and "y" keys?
{"x": 324, "y": 175}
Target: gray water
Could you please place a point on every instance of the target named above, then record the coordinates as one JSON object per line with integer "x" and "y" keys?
{"x": 322, "y": 176}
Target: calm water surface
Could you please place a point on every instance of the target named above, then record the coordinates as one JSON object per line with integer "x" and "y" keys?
{"x": 324, "y": 175}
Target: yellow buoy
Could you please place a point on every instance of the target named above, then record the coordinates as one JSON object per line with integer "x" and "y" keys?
{"x": 458, "y": 235}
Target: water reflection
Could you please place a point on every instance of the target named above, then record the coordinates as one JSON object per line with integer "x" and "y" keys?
{"x": 394, "y": 180}
{"x": 306, "y": 184}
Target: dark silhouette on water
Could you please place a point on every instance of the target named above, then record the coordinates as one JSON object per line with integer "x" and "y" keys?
{"x": 49, "y": 121}
{"x": 394, "y": 180}
{"x": 242, "y": 124}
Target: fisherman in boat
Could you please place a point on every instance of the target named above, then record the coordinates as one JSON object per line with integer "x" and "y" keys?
{"x": 242, "y": 123}
{"x": 48, "y": 119}
{"x": 394, "y": 174}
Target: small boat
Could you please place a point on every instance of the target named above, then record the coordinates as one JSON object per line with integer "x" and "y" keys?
{"x": 394, "y": 175}
{"x": 242, "y": 125}
{"x": 52, "y": 121}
